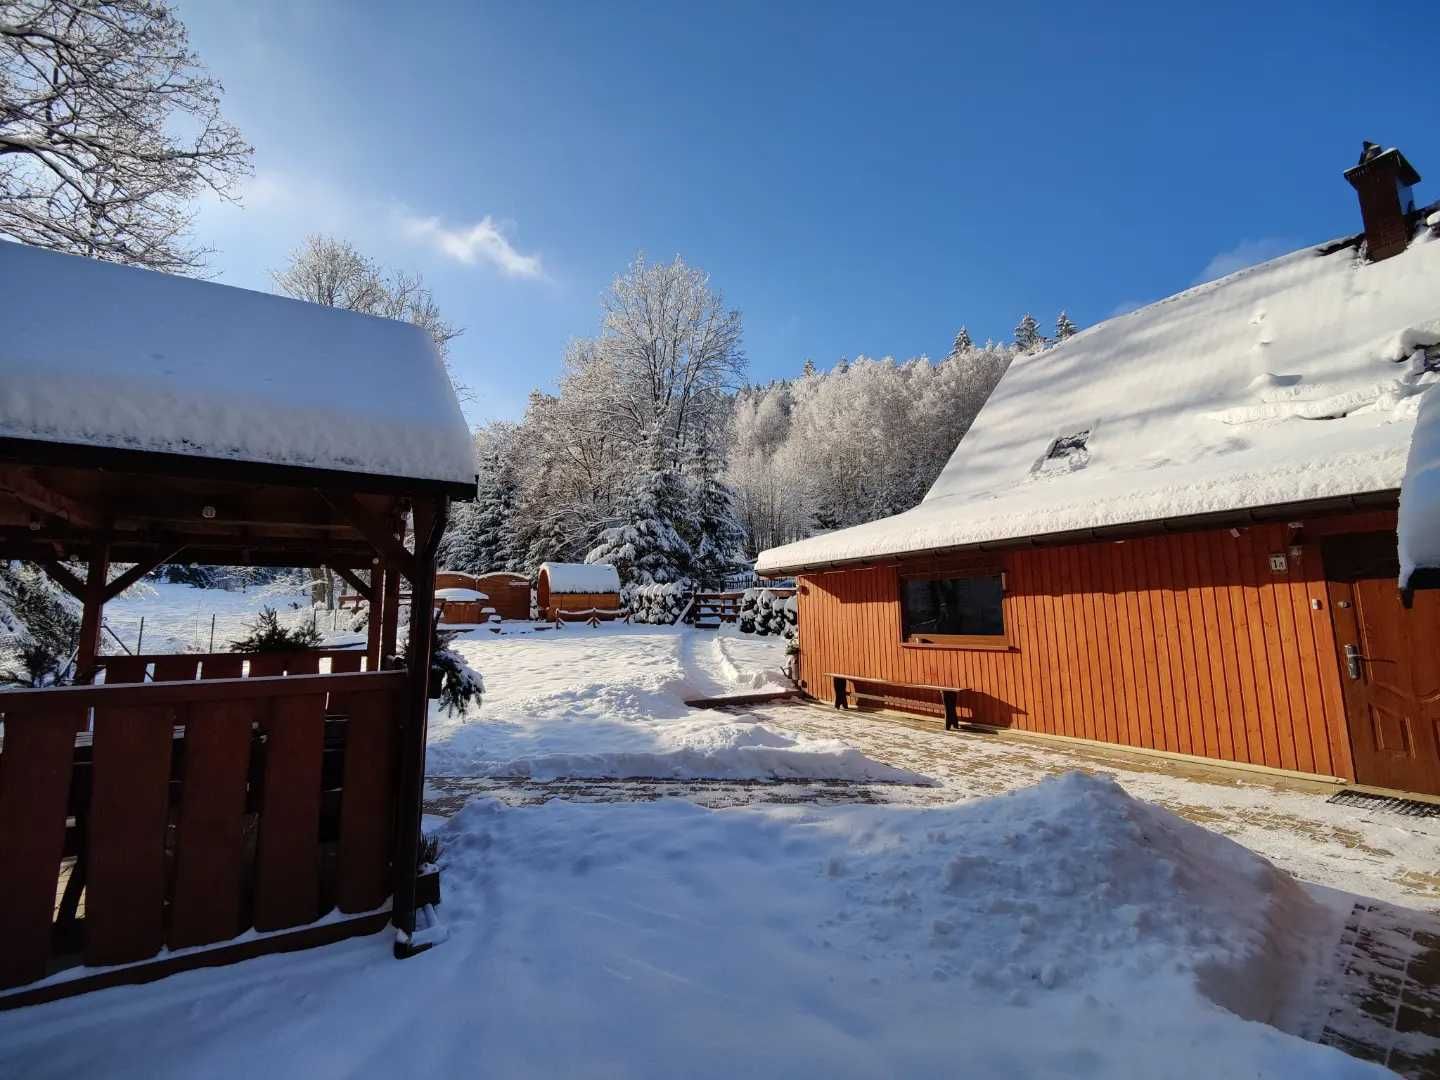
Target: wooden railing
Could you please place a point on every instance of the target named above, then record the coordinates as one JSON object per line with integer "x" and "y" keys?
{"x": 181, "y": 667}
{"x": 190, "y": 811}
{"x": 724, "y": 607}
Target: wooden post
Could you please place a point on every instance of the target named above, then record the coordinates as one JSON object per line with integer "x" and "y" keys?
{"x": 377, "y": 601}
{"x": 93, "y": 609}
{"x": 390, "y": 613}
{"x": 429, "y": 525}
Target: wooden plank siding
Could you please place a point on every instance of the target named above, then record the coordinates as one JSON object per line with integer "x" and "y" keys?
{"x": 1183, "y": 642}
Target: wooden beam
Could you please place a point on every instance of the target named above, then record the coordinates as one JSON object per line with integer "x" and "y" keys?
{"x": 27, "y": 486}
{"x": 94, "y": 606}
{"x": 372, "y": 636}
{"x": 353, "y": 580}
{"x": 62, "y": 577}
{"x": 429, "y": 517}
{"x": 374, "y": 529}
{"x": 136, "y": 572}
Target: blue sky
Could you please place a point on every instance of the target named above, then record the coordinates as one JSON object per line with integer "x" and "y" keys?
{"x": 856, "y": 179}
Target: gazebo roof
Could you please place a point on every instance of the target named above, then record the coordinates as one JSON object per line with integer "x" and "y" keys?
{"x": 96, "y": 356}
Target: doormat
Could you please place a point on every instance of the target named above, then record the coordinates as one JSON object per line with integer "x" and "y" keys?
{"x": 1364, "y": 800}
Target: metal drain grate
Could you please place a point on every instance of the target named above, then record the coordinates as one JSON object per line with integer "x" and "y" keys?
{"x": 1364, "y": 800}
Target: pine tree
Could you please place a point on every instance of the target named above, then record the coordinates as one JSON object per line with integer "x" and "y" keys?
{"x": 843, "y": 366}
{"x": 495, "y": 514}
{"x": 719, "y": 541}
{"x": 809, "y": 368}
{"x": 1064, "y": 328}
{"x": 963, "y": 344}
{"x": 462, "y": 547}
{"x": 38, "y": 626}
{"x": 1027, "y": 334}
{"x": 647, "y": 542}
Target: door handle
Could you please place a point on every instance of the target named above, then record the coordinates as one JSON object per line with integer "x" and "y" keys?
{"x": 1352, "y": 661}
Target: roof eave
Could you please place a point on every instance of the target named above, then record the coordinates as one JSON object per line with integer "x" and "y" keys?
{"x": 1379, "y": 500}
{"x": 113, "y": 459}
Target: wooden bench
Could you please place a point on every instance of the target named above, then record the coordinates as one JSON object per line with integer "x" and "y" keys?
{"x": 949, "y": 695}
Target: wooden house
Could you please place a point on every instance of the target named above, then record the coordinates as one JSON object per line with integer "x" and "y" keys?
{"x": 509, "y": 593}
{"x": 578, "y": 590}
{"x": 205, "y": 809}
{"x": 460, "y": 599}
{"x": 1176, "y": 531}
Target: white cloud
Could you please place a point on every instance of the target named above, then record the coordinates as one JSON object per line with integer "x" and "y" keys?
{"x": 481, "y": 242}
{"x": 1246, "y": 253}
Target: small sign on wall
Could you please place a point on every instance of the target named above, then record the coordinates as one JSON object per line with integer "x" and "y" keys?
{"x": 1278, "y": 563}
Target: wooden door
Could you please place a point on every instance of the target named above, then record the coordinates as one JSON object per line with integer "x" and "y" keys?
{"x": 1389, "y": 664}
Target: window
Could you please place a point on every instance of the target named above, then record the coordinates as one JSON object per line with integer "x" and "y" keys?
{"x": 959, "y": 610}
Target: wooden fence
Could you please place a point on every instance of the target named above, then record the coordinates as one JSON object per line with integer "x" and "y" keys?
{"x": 187, "y": 812}
{"x": 181, "y": 667}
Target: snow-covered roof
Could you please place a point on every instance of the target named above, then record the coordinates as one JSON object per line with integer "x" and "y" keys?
{"x": 103, "y": 355}
{"x": 458, "y": 593}
{"x": 1294, "y": 380}
{"x": 569, "y": 577}
{"x": 1420, "y": 497}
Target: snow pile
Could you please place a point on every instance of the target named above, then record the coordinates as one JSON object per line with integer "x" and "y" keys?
{"x": 664, "y": 939}
{"x": 1420, "y": 495}
{"x": 1293, "y": 380}
{"x": 581, "y": 577}
{"x": 104, "y": 355}
{"x": 1056, "y": 884}
{"x": 711, "y": 749}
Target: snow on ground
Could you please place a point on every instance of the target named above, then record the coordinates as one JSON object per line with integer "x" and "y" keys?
{"x": 1062, "y": 929}
{"x": 177, "y": 617}
{"x": 1364, "y": 851}
{"x": 1067, "y": 930}
{"x": 610, "y": 702}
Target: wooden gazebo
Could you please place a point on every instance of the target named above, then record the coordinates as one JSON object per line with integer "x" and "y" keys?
{"x": 147, "y": 419}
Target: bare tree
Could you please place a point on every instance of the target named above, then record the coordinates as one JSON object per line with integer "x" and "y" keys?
{"x": 672, "y": 346}
{"x": 109, "y": 127}
{"x": 332, "y": 272}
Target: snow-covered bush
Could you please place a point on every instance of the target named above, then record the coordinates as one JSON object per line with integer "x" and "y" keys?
{"x": 764, "y": 612}
{"x": 659, "y": 604}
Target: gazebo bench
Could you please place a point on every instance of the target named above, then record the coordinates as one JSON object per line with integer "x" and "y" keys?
{"x": 949, "y": 695}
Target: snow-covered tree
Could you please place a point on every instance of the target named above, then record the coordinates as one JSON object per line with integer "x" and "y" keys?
{"x": 962, "y": 343}
{"x": 1027, "y": 334}
{"x": 718, "y": 540}
{"x": 328, "y": 271}
{"x": 39, "y": 626}
{"x": 110, "y": 127}
{"x": 1064, "y": 328}
{"x": 646, "y": 541}
{"x": 809, "y": 368}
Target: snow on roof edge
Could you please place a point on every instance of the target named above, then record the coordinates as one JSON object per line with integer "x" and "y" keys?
{"x": 1231, "y": 427}
{"x": 103, "y": 355}
{"x": 581, "y": 577}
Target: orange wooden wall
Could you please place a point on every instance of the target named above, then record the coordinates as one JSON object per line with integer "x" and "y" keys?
{"x": 1185, "y": 642}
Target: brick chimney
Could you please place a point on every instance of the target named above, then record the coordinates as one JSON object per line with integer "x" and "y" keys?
{"x": 1382, "y": 179}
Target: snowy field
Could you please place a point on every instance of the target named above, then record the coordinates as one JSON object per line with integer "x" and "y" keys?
{"x": 1062, "y": 929}
{"x": 178, "y": 617}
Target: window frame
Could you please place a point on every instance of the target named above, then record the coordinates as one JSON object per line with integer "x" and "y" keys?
{"x": 994, "y": 642}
